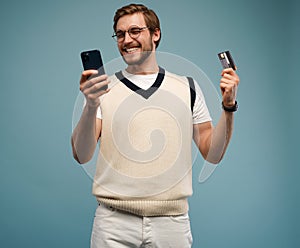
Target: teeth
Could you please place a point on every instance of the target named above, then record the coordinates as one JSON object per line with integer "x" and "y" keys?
{"x": 131, "y": 50}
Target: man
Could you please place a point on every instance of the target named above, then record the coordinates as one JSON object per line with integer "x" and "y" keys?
{"x": 146, "y": 120}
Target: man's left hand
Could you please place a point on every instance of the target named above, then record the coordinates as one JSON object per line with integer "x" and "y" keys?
{"x": 229, "y": 84}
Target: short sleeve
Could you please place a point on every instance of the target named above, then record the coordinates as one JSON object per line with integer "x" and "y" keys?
{"x": 200, "y": 111}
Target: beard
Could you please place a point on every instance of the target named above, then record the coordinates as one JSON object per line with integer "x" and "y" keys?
{"x": 138, "y": 58}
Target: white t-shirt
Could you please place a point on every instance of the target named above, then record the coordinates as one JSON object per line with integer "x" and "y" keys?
{"x": 200, "y": 110}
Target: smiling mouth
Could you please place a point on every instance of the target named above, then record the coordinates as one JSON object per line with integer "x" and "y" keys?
{"x": 131, "y": 50}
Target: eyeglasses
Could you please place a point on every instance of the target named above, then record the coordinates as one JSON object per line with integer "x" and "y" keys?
{"x": 133, "y": 32}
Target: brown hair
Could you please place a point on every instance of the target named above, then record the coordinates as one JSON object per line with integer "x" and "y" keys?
{"x": 150, "y": 17}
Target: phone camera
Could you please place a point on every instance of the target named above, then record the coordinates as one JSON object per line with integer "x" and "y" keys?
{"x": 86, "y": 57}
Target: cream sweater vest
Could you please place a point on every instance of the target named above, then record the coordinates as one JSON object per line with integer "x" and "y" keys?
{"x": 144, "y": 164}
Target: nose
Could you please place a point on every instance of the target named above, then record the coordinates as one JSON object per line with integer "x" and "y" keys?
{"x": 127, "y": 38}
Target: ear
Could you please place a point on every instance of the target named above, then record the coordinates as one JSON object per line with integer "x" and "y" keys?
{"x": 156, "y": 35}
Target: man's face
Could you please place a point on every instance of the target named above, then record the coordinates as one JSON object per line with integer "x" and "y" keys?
{"x": 135, "y": 51}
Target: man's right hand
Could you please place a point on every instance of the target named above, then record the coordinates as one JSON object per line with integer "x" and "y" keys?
{"x": 91, "y": 88}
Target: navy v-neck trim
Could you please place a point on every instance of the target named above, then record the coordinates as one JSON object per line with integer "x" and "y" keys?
{"x": 144, "y": 93}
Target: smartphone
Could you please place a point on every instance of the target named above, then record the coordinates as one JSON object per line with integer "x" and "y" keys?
{"x": 226, "y": 60}
{"x": 92, "y": 60}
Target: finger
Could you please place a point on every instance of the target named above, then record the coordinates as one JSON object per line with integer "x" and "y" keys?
{"x": 92, "y": 86}
{"x": 96, "y": 95}
{"x": 98, "y": 87}
{"x": 228, "y": 88}
{"x": 228, "y": 76}
{"x": 95, "y": 80}
{"x": 85, "y": 85}
{"x": 225, "y": 87}
{"x": 230, "y": 79}
{"x": 99, "y": 78}
{"x": 229, "y": 71}
{"x": 227, "y": 81}
{"x": 86, "y": 74}
{"x": 101, "y": 92}
{"x": 91, "y": 82}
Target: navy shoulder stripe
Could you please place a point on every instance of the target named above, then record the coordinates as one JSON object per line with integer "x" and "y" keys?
{"x": 192, "y": 91}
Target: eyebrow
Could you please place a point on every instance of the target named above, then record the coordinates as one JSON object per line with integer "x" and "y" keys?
{"x": 133, "y": 26}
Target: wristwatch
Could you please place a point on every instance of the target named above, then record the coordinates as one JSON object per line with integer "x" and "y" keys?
{"x": 230, "y": 109}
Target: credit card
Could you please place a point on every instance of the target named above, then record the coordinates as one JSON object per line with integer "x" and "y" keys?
{"x": 226, "y": 60}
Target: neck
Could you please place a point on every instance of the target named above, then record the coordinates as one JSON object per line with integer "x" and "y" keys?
{"x": 138, "y": 70}
{"x": 149, "y": 66}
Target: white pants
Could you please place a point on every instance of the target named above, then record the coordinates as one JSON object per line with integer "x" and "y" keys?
{"x": 117, "y": 229}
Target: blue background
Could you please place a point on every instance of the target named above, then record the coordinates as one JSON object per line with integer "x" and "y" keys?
{"x": 252, "y": 199}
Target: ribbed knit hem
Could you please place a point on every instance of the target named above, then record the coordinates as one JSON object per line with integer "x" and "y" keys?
{"x": 148, "y": 207}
